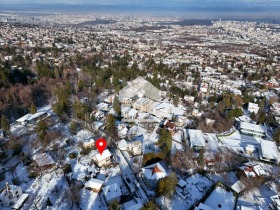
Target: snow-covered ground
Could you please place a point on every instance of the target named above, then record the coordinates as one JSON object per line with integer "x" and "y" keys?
{"x": 260, "y": 197}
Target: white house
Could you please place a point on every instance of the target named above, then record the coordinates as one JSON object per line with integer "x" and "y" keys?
{"x": 112, "y": 192}
{"x": 252, "y": 129}
{"x": 269, "y": 151}
{"x": 135, "y": 147}
{"x": 152, "y": 173}
{"x": 104, "y": 159}
{"x": 31, "y": 119}
{"x": 94, "y": 184}
{"x": 12, "y": 196}
{"x": 122, "y": 130}
{"x": 89, "y": 143}
{"x": 252, "y": 107}
{"x": 140, "y": 87}
{"x": 196, "y": 139}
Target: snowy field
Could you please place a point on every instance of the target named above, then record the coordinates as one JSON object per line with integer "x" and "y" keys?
{"x": 221, "y": 199}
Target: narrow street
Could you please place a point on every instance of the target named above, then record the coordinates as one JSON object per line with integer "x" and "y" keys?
{"x": 127, "y": 173}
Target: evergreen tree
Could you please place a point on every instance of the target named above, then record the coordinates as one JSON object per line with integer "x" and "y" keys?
{"x": 111, "y": 126}
{"x": 117, "y": 106}
{"x": 5, "y": 125}
{"x": 73, "y": 127}
{"x": 49, "y": 203}
{"x": 166, "y": 186}
{"x": 33, "y": 109}
{"x": 201, "y": 158}
{"x": 176, "y": 100}
{"x": 80, "y": 109}
{"x": 114, "y": 205}
{"x": 276, "y": 136}
{"x": 165, "y": 141}
{"x": 63, "y": 101}
{"x": 262, "y": 117}
{"x": 41, "y": 129}
{"x": 150, "y": 205}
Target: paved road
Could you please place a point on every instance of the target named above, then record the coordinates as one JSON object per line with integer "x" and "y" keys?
{"x": 127, "y": 173}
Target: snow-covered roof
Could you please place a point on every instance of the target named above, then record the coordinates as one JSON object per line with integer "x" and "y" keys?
{"x": 252, "y": 105}
{"x": 29, "y": 116}
{"x": 112, "y": 192}
{"x": 43, "y": 159}
{"x": 122, "y": 144}
{"x": 202, "y": 206}
{"x": 20, "y": 201}
{"x": 238, "y": 186}
{"x": 276, "y": 200}
{"x": 154, "y": 171}
{"x": 94, "y": 184}
{"x": 252, "y": 127}
{"x": 97, "y": 124}
{"x": 182, "y": 183}
{"x": 196, "y": 137}
{"x": 132, "y": 112}
{"x": 244, "y": 118}
{"x": 269, "y": 150}
{"x": 142, "y": 86}
{"x": 132, "y": 205}
{"x": 105, "y": 154}
{"x": 259, "y": 170}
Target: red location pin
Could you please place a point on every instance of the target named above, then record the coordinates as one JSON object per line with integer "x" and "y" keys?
{"x": 101, "y": 145}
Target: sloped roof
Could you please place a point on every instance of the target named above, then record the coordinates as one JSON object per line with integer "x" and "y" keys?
{"x": 94, "y": 183}
{"x": 140, "y": 85}
{"x": 154, "y": 171}
{"x": 112, "y": 191}
{"x": 105, "y": 154}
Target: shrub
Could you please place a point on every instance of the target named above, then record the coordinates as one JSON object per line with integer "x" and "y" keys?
{"x": 67, "y": 168}
{"x": 33, "y": 175}
{"x": 73, "y": 155}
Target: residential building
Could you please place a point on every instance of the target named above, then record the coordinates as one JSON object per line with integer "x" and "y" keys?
{"x": 269, "y": 151}
{"x": 196, "y": 139}
{"x": 12, "y": 196}
{"x": 252, "y": 129}
{"x": 140, "y": 88}
{"x": 94, "y": 185}
{"x": 89, "y": 143}
{"x": 252, "y": 107}
{"x": 44, "y": 160}
{"x": 112, "y": 192}
{"x": 102, "y": 159}
{"x": 135, "y": 147}
{"x": 31, "y": 119}
{"x": 133, "y": 204}
{"x": 275, "y": 202}
{"x": 122, "y": 144}
{"x": 152, "y": 173}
